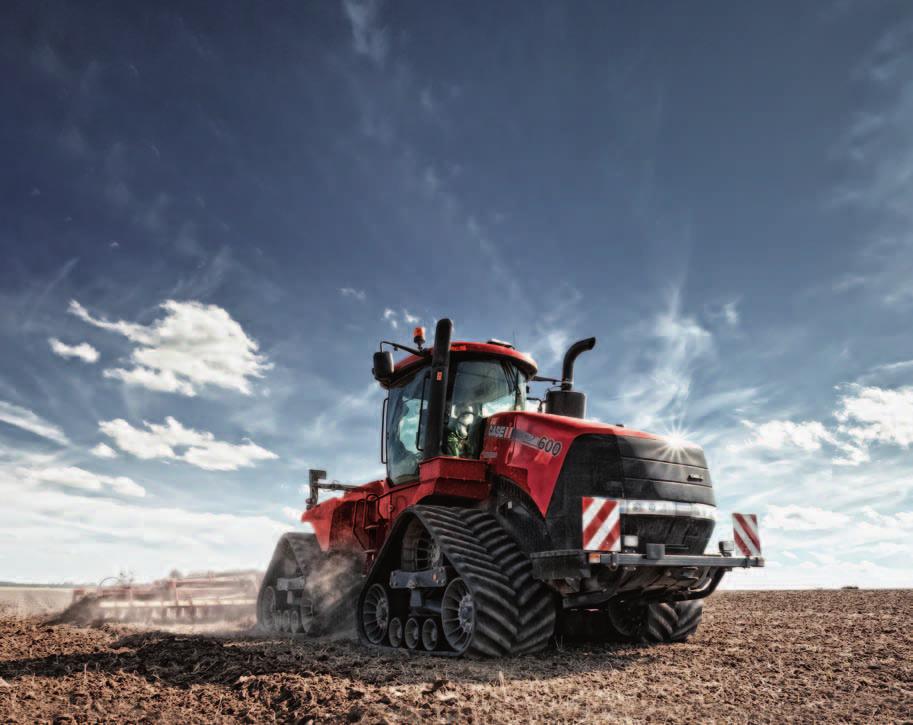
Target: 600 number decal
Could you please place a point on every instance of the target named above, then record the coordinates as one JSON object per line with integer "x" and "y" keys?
{"x": 549, "y": 446}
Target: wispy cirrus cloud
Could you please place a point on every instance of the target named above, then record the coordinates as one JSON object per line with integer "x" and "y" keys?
{"x": 658, "y": 378}
{"x": 877, "y": 152}
{"x": 369, "y": 38}
{"x": 192, "y": 346}
{"x": 172, "y": 441}
{"x": 27, "y": 420}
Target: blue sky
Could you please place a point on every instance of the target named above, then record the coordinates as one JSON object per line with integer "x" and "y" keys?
{"x": 210, "y": 217}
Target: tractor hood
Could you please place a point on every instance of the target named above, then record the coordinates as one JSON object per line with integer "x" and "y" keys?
{"x": 558, "y": 460}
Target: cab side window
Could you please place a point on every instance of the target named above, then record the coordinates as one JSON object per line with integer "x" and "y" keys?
{"x": 405, "y": 419}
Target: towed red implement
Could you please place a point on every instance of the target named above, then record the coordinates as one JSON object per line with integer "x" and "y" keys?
{"x": 175, "y": 599}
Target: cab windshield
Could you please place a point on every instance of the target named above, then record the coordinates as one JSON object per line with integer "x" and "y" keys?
{"x": 478, "y": 389}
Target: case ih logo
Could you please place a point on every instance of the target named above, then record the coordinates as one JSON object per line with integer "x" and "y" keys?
{"x": 745, "y": 532}
{"x": 601, "y": 524}
{"x": 499, "y": 431}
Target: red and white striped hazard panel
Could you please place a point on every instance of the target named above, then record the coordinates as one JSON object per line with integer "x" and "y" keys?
{"x": 601, "y": 524}
{"x": 746, "y": 535}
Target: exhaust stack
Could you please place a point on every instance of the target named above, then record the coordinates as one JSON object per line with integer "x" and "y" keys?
{"x": 567, "y": 401}
{"x": 437, "y": 393}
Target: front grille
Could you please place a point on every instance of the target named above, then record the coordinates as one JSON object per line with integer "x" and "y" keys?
{"x": 627, "y": 467}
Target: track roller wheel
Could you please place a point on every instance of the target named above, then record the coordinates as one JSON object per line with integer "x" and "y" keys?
{"x": 458, "y": 615}
{"x": 412, "y": 633}
{"x": 266, "y": 610}
{"x": 430, "y": 635}
{"x": 307, "y": 614}
{"x": 395, "y": 632}
{"x": 294, "y": 621}
{"x": 376, "y": 614}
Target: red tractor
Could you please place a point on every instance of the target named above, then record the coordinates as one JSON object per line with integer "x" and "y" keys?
{"x": 497, "y": 527}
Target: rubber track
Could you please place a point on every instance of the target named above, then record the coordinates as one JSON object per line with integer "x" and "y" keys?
{"x": 305, "y": 550}
{"x": 672, "y": 622}
{"x": 497, "y": 615}
{"x": 535, "y": 602}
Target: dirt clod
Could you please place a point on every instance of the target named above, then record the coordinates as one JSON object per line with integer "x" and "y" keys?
{"x": 814, "y": 656}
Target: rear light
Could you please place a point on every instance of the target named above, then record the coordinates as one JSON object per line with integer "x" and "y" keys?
{"x": 668, "y": 508}
{"x": 629, "y": 541}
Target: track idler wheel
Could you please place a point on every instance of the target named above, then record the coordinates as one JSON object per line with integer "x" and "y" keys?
{"x": 458, "y": 615}
{"x": 376, "y": 614}
{"x": 266, "y": 610}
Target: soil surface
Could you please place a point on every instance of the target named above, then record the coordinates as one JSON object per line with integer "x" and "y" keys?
{"x": 813, "y": 656}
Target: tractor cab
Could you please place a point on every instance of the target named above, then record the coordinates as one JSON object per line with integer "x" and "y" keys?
{"x": 478, "y": 380}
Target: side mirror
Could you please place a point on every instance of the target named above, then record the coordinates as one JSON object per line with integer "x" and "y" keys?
{"x": 383, "y": 366}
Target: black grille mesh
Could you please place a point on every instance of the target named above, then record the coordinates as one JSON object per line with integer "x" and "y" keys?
{"x": 633, "y": 468}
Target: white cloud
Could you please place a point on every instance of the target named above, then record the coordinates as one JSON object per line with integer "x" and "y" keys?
{"x": 553, "y": 344}
{"x": 877, "y": 415}
{"x": 193, "y": 345}
{"x": 778, "y": 434}
{"x": 410, "y": 319}
{"x": 163, "y": 381}
{"x": 368, "y": 38}
{"x": 27, "y": 420}
{"x": 84, "y": 351}
{"x": 96, "y": 536}
{"x": 201, "y": 448}
{"x": 726, "y": 312}
{"x": 291, "y": 514}
{"x": 79, "y": 478}
{"x": 102, "y": 450}
{"x": 358, "y": 294}
{"x": 802, "y": 518}
{"x": 390, "y": 316}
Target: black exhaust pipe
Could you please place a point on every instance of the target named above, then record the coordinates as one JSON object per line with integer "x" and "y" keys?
{"x": 437, "y": 393}
{"x": 570, "y": 357}
{"x": 567, "y": 401}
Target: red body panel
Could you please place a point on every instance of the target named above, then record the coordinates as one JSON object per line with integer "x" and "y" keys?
{"x": 527, "y": 448}
{"x": 359, "y": 519}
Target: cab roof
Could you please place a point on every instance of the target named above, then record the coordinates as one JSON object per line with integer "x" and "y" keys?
{"x": 470, "y": 349}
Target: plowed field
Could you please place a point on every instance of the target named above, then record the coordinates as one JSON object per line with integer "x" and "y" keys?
{"x": 836, "y": 656}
